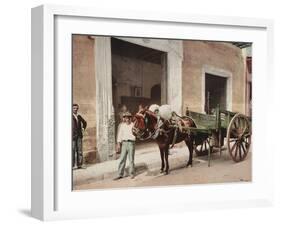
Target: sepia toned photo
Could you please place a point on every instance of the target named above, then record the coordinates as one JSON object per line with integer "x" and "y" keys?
{"x": 158, "y": 112}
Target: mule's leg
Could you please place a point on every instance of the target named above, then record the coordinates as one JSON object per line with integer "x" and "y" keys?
{"x": 162, "y": 160}
{"x": 189, "y": 143}
{"x": 166, "y": 150}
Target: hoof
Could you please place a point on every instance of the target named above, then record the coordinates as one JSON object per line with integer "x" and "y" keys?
{"x": 161, "y": 171}
{"x": 166, "y": 172}
{"x": 188, "y": 164}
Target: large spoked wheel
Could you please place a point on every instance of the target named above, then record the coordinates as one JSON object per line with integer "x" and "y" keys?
{"x": 239, "y": 137}
{"x": 203, "y": 149}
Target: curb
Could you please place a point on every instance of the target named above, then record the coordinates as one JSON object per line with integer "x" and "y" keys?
{"x": 140, "y": 167}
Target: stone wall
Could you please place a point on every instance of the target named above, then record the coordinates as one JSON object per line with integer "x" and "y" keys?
{"x": 222, "y": 56}
{"x": 84, "y": 90}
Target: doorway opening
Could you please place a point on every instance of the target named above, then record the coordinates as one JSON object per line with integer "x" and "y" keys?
{"x": 138, "y": 77}
{"x": 215, "y": 93}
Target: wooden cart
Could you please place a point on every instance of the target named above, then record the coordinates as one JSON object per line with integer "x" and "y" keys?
{"x": 212, "y": 131}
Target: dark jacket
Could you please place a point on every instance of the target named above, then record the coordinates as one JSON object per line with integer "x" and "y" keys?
{"x": 77, "y": 127}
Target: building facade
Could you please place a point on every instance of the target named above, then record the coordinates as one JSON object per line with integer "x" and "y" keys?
{"x": 110, "y": 72}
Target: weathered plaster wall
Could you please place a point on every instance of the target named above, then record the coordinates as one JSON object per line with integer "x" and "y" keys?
{"x": 84, "y": 90}
{"x": 134, "y": 72}
{"x": 222, "y": 56}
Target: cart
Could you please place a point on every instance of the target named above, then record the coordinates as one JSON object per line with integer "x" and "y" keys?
{"x": 212, "y": 131}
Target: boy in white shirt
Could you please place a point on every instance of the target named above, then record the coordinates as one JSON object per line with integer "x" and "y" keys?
{"x": 127, "y": 139}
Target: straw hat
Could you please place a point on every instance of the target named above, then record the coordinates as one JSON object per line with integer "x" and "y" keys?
{"x": 127, "y": 114}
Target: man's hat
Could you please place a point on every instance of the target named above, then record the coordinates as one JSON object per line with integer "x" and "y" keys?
{"x": 127, "y": 114}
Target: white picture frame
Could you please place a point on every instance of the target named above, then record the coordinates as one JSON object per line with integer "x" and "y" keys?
{"x": 52, "y": 197}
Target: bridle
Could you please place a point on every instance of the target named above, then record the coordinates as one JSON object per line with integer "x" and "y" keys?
{"x": 141, "y": 133}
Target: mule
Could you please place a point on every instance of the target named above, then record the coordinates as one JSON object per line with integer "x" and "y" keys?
{"x": 146, "y": 126}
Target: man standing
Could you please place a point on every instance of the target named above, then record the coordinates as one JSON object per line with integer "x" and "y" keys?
{"x": 126, "y": 139}
{"x": 78, "y": 127}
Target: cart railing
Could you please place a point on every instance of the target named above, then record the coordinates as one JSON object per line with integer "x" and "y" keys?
{"x": 207, "y": 121}
{"x": 212, "y": 130}
{"x": 219, "y": 120}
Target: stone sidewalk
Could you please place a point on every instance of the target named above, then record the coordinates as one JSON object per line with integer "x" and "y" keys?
{"x": 146, "y": 159}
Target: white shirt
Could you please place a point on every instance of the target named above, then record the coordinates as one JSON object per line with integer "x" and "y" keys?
{"x": 125, "y": 132}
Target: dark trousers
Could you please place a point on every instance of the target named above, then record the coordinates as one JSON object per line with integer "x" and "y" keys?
{"x": 77, "y": 152}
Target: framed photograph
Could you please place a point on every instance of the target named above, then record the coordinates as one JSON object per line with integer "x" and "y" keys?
{"x": 136, "y": 113}
{"x": 137, "y": 92}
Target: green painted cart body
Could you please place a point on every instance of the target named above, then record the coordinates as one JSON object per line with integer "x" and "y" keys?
{"x": 213, "y": 131}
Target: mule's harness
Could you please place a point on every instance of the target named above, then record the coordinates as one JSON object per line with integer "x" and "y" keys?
{"x": 159, "y": 131}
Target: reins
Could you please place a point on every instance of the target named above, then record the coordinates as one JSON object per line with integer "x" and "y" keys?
{"x": 159, "y": 130}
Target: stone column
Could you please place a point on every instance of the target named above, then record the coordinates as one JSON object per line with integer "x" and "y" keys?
{"x": 164, "y": 78}
{"x": 104, "y": 110}
{"x": 174, "y": 79}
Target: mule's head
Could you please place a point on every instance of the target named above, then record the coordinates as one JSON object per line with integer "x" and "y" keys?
{"x": 145, "y": 122}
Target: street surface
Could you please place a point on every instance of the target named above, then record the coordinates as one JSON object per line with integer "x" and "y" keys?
{"x": 223, "y": 169}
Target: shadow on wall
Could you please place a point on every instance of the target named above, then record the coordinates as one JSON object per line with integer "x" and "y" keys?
{"x": 89, "y": 146}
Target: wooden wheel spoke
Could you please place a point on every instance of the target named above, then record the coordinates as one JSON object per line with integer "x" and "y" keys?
{"x": 242, "y": 128}
{"x": 235, "y": 124}
{"x": 233, "y": 140}
{"x": 246, "y": 128}
{"x": 234, "y": 133}
{"x": 247, "y": 135}
{"x": 235, "y": 154}
{"x": 232, "y": 148}
{"x": 242, "y": 123}
{"x": 243, "y": 148}
{"x": 240, "y": 152}
{"x": 247, "y": 144}
{"x": 245, "y": 124}
{"x": 239, "y": 122}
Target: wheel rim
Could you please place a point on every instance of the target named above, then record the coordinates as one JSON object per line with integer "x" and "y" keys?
{"x": 239, "y": 137}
